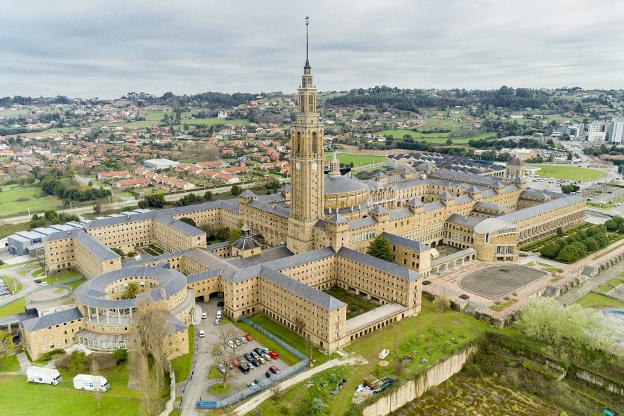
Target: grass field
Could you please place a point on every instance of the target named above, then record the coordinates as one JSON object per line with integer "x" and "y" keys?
{"x": 571, "y": 173}
{"x": 8, "y": 229}
{"x": 12, "y": 284}
{"x": 182, "y": 365}
{"x": 356, "y": 159}
{"x": 60, "y": 277}
{"x": 21, "y": 398}
{"x": 9, "y": 364}
{"x": 429, "y": 335}
{"x": 12, "y": 308}
{"x": 19, "y": 200}
{"x": 433, "y": 138}
{"x": 154, "y": 118}
{"x": 596, "y": 300}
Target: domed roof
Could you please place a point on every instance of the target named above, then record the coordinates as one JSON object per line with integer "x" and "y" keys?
{"x": 342, "y": 184}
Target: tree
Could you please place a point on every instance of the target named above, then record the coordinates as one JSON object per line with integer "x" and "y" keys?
{"x": 6, "y": 344}
{"x": 449, "y": 141}
{"x": 590, "y": 244}
{"x": 148, "y": 345}
{"x": 550, "y": 250}
{"x": 236, "y": 190}
{"x": 208, "y": 196}
{"x": 380, "y": 248}
{"x": 77, "y": 361}
{"x": 152, "y": 201}
{"x": 611, "y": 224}
{"x": 95, "y": 371}
{"x": 568, "y": 254}
{"x": 228, "y": 353}
{"x": 440, "y": 304}
{"x": 131, "y": 291}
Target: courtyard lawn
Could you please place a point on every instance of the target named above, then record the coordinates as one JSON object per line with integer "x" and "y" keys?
{"x": 21, "y": 398}
{"x": 182, "y": 365}
{"x": 597, "y": 300}
{"x": 356, "y": 305}
{"x": 356, "y": 158}
{"x": 19, "y": 200}
{"x": 9, "y": 364}
{"x": 77, "y": 283}
{"x": 12, "y": 308}
{"x": 571, "y": 173}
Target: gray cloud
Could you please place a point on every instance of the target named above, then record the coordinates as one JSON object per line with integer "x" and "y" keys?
{"x": 107, "y": 48}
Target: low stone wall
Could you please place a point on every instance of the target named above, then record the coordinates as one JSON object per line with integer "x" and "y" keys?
{"x": 595, "y": 379}
{"x": 413, "y": 389}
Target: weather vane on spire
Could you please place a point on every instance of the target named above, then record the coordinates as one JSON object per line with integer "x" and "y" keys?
{"x": 307, "y": 20}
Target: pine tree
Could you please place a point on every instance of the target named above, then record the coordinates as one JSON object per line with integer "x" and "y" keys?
{"x": 380, "y": 248}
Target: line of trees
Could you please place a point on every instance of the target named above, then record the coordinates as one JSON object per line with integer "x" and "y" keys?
{"x": 578, "y": 245}
{"x": 68, "y": 191}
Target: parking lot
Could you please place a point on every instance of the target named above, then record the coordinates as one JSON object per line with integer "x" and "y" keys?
{"x": 197, "y": 386}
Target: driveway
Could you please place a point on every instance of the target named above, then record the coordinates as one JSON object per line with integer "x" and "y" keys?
{"x": 27, "y": 281}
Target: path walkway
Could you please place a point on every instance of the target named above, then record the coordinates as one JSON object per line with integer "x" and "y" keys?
{"x": 578, "y": 292}
{"x": 27, "y": 281}
{"x": 256, "y": 400}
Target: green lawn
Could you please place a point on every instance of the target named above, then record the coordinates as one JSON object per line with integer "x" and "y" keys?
{"x": 182, "y": 365}
{"x": 154, "y": 118}
{"x": 8, "y": 229}
{"x": 9, "y": 364}
{"x": 77, "y": 283}
{"x": 213, "y": 122}
{"x": 21, "y": 398}
{"x": 60, "y": 277}
{"x": 572, "y": 173}
{"x": 429, "y": 335}
{"x": 214, "y": 373}
{"x": 596, "y": 300}
{"x": 356, "y": 305}
{"x": 12, "y": 284}
{"x": 356, "y": 158}
{"x": 12, "y": 308}
{"x": 18, "y": 200}
{"x": 433, "y": 138}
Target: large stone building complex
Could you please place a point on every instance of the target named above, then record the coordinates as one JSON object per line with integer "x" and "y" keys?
{"x": 314, "y": 233}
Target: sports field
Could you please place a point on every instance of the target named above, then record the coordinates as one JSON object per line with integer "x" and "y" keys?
{"x": 356, "y": 159}
{"x": 154, "y": 118}
{"x": 19, "y": 199}
{"x": 571, "y": 173}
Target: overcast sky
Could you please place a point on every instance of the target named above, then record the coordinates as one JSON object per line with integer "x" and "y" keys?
{"x": 84, "y": 48}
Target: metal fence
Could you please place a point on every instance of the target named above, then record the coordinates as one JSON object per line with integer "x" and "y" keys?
{"x": 264, "y": 383}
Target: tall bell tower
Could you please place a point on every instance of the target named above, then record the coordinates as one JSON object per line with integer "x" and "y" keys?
{"x": 306, "y": 166}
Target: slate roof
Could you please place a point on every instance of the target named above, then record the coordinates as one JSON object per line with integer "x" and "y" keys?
{"x": 382, "y": 265}
{"x": 52, "y": 319}
{"x": 406, "y": 242}
{"x": 304, "y": 291}
{"x": 93, "y": 246}
{"x": 523, "y": 214}
{"x": 464, "y": 220}
{"x": 342, "y": 184}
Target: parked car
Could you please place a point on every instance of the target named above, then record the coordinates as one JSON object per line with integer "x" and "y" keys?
{"x": 218, "y": 314}
{"x": 248, "y": 337}
{"x": 244, "y": 368}
{"x": 230, "y": 344}
{"x": 221, "y": 368}
{"x": 202, "y": 333}
{"x": 274, "y": 369}
{"x": 44, "y": 284}
{"x": 237, "y": 341}
{"x": 221, "y": 304}
{"x": 37, "y": 280}
{"x": 204, "y": 315}
{"x": 243, "y": 340}
{"x": 273, "y": 355}
{"x": 268, "y": 374}
{"x": 217, "y": 322}
{"x": 266, "y": 357}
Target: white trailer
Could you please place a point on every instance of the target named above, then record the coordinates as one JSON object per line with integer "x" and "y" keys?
{"x": 43, "y": 375}
{"x": 90, "y": 383}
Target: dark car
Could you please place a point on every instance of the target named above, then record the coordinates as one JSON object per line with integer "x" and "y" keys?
{"x": 37, "y": 280}
{"x": 268, "y": 374}
{"x": 221, "y": 304}
{"x": 244, "y": 368}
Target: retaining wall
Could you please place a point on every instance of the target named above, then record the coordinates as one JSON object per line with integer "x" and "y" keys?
{"x": 413, "y": 389}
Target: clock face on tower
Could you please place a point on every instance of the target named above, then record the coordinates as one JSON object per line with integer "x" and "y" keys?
{"x": 297, "y": 165}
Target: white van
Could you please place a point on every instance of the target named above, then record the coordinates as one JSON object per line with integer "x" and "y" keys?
{"x": 90, "y": 383}
{"x": 43, "y": 375}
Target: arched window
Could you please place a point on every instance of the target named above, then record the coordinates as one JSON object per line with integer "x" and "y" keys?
{"x": 315, "y": 143}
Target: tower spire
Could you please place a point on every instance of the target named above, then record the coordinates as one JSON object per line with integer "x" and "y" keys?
{"x": 307, "y": 23}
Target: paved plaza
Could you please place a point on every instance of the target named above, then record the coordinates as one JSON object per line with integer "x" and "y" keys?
{"x": 498, "y": 281}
